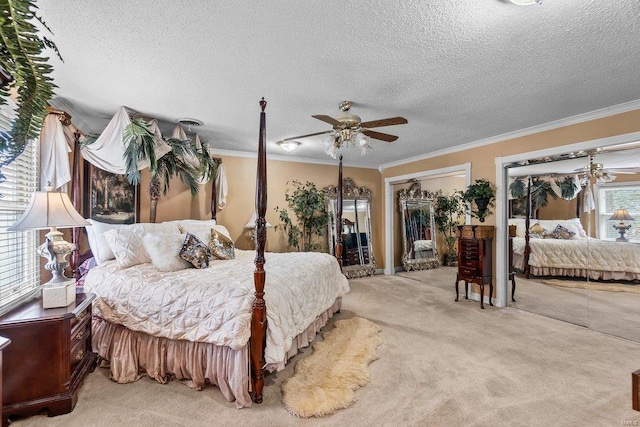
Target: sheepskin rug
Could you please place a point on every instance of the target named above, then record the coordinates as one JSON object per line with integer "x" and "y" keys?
{"x": 326, "y": 380}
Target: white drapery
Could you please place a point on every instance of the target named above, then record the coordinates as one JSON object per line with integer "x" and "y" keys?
{"x": 107, "y": 152}
{"x": 221, "y": 188}
{"x": 54, "y": 153}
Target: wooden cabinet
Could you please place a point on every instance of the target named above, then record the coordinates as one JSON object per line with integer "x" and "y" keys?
{"x": 475, "y": 258}
{"x": 48, "y": 359}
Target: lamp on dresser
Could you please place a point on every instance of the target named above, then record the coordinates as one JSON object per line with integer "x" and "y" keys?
{"x": 53, "y": 210}
{"x": 621, "y": 215}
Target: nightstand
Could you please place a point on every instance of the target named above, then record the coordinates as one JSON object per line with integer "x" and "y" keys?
{"x": 48, "y": 359}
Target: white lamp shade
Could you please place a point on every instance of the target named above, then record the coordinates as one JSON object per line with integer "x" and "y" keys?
{"x": 621, "y": 215}
{"x": 251, "y": 224}
{"x": 49, "y": 209}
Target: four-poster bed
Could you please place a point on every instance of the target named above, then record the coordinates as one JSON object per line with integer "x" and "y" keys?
{"x": 562, "y": 248}
{"x": 145, "y": 346}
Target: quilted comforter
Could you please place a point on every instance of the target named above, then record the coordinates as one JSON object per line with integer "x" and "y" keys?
{"x": 591, "y": 254}
{"x": 213, "y": 305}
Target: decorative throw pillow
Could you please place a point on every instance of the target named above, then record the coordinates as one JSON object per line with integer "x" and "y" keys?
{"x": 97, "y": 242}
{"x": 561, "y": 232}
{"x": 164, "y": 250}
{"x": 195, "y": 252}
{"x": 126, "y": 242}
{"x": 221, "y": 246}
{"x": 537, "y": 231}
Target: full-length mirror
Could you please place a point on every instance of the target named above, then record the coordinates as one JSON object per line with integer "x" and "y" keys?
{"x": 418, "y": 229}
{"x": 357, "y": 253}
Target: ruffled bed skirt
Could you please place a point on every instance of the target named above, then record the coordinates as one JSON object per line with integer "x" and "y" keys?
{"x": 131, "y": 354}
{"x": 518, "y": 263}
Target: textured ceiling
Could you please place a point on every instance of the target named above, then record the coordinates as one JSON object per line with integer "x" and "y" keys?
{"x": 459, "y": 70}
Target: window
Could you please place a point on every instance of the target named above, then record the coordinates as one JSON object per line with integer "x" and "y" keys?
{"x": 618, "y": 196}
{"x": 19, "y": 263}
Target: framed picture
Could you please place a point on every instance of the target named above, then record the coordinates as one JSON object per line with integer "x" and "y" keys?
{"x": 110, "y": 198}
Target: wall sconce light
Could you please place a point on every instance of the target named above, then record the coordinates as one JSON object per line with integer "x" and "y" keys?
{"x": 621, "y": 215}
{"x": 288, "y": 145}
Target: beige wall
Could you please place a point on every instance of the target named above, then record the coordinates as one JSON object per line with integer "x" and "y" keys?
{"x": 241, "y": 173}
{"x": 482, "y": 159}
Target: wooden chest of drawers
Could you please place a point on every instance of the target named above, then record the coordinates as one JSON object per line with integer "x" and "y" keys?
{"x": 475, "y": 259}
{"x": 48, "y": 359}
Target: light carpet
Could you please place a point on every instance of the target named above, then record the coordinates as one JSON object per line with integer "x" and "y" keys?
{"x": 327, "y": 379}
{"x": 596, "y": 286}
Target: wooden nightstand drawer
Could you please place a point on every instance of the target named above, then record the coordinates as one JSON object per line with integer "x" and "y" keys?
{"x": 473, "y": 263}
{"x": 48, "y": 359}
{"x": 467, "y": 271}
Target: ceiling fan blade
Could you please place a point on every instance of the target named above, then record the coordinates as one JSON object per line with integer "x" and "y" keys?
{"x": 622, "y": 170}
{"x": 384, "y": 122}
{"x": 326, "y": 119}
{"x": 307, "y": 135}
{"x": 379, "y": 135}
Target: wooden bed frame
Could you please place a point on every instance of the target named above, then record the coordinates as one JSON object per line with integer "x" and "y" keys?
{"x": 258, "y": 339}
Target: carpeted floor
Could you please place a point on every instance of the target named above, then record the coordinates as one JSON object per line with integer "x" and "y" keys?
{"x": 442, "y": 363}
{"x": 596, "y": 286}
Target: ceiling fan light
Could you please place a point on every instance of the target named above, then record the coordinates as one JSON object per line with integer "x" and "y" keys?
{"x": 288, "y": 146}
{"x": 362, "y": 140}
{"x": 328, "y": 142}
{"x": 332, "y": 151}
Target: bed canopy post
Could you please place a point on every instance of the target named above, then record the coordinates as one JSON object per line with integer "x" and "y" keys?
{"x": 527, "y": 224}
{"x": 259, "y": 311}
{"x": 77, "y": 201}
{"x": 338, "y": 250}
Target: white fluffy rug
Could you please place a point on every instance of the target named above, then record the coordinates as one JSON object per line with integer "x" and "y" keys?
{"x": 326, "y": 380}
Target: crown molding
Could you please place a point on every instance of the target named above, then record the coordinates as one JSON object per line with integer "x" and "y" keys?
{"x": 568, "y": 121}
{"x": 253, "y": 155}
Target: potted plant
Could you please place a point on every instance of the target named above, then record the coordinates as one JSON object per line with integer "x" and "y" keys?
{"x": 482, "y": 193}
{"x": 307, "y": 203}
{"x": 449, "y": 208}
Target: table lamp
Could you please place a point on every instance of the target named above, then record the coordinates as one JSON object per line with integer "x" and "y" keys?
{"x": 53, "y": 210}
{"x": 621, "y": 215}
{"x": 251, "y": 225}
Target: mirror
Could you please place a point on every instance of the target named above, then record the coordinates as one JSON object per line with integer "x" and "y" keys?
{"x": 419, "y": 250}
{"x": 357, "y": 252}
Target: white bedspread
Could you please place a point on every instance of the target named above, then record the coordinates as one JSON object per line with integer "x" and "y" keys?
{"x": 214, "y": 305}
{"x": 591, "y": 254}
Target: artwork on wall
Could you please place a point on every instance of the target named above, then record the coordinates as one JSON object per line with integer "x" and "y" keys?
{"x": 110, "y": 198}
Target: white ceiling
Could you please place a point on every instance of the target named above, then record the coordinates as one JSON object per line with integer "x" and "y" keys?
{"x": 459, "y": 70}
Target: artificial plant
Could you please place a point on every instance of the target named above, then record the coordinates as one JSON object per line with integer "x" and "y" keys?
{"x": 482, "y": 193}
{"x": 449, "y": 208}
{"x": 307, "y": 204}
{"x": 140, "y": 142}
{"x": 541, "y": 189}
{"x": 21, "y": 58}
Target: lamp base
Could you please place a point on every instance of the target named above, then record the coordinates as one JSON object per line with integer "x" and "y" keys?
{"x": 59, "y": 294}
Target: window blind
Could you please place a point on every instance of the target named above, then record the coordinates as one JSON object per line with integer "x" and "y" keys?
{"x": 19, "y": 262}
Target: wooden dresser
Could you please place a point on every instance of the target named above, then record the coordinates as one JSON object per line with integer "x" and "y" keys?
{"x": 475, "y": 258}
{"x": 48, "y": 359}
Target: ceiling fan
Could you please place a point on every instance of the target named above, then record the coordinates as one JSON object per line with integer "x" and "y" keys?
{"x": 349, "y": 129}
{"x": 599, "y": 172}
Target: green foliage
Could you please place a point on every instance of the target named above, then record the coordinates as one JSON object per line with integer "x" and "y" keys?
{"x": 307, "y": 204}
{"x": 139, "y": 144}
{"x": 481, "y": 190}
{"x": 21, "y": 56}
{"x": 449, "y": 208}
{"x": 541, "y": 190}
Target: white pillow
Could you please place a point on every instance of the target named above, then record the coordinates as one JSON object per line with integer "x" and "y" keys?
{"x": 203, "y": 232}
{"x": 574, "y": 225}
{"x": 164, "y": 250}
{"x": 97, "y": 242}
{"x": 185, "y": 222}
{"x": 126, "y": 242}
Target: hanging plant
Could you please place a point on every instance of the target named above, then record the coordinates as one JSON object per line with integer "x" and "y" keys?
{"x": 481, "y": 193}
{"x": 22, "y": 61}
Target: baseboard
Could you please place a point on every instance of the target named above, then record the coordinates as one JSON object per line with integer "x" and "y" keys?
{"x": 399, "y": 268}
{"x": 476, "y": 297}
